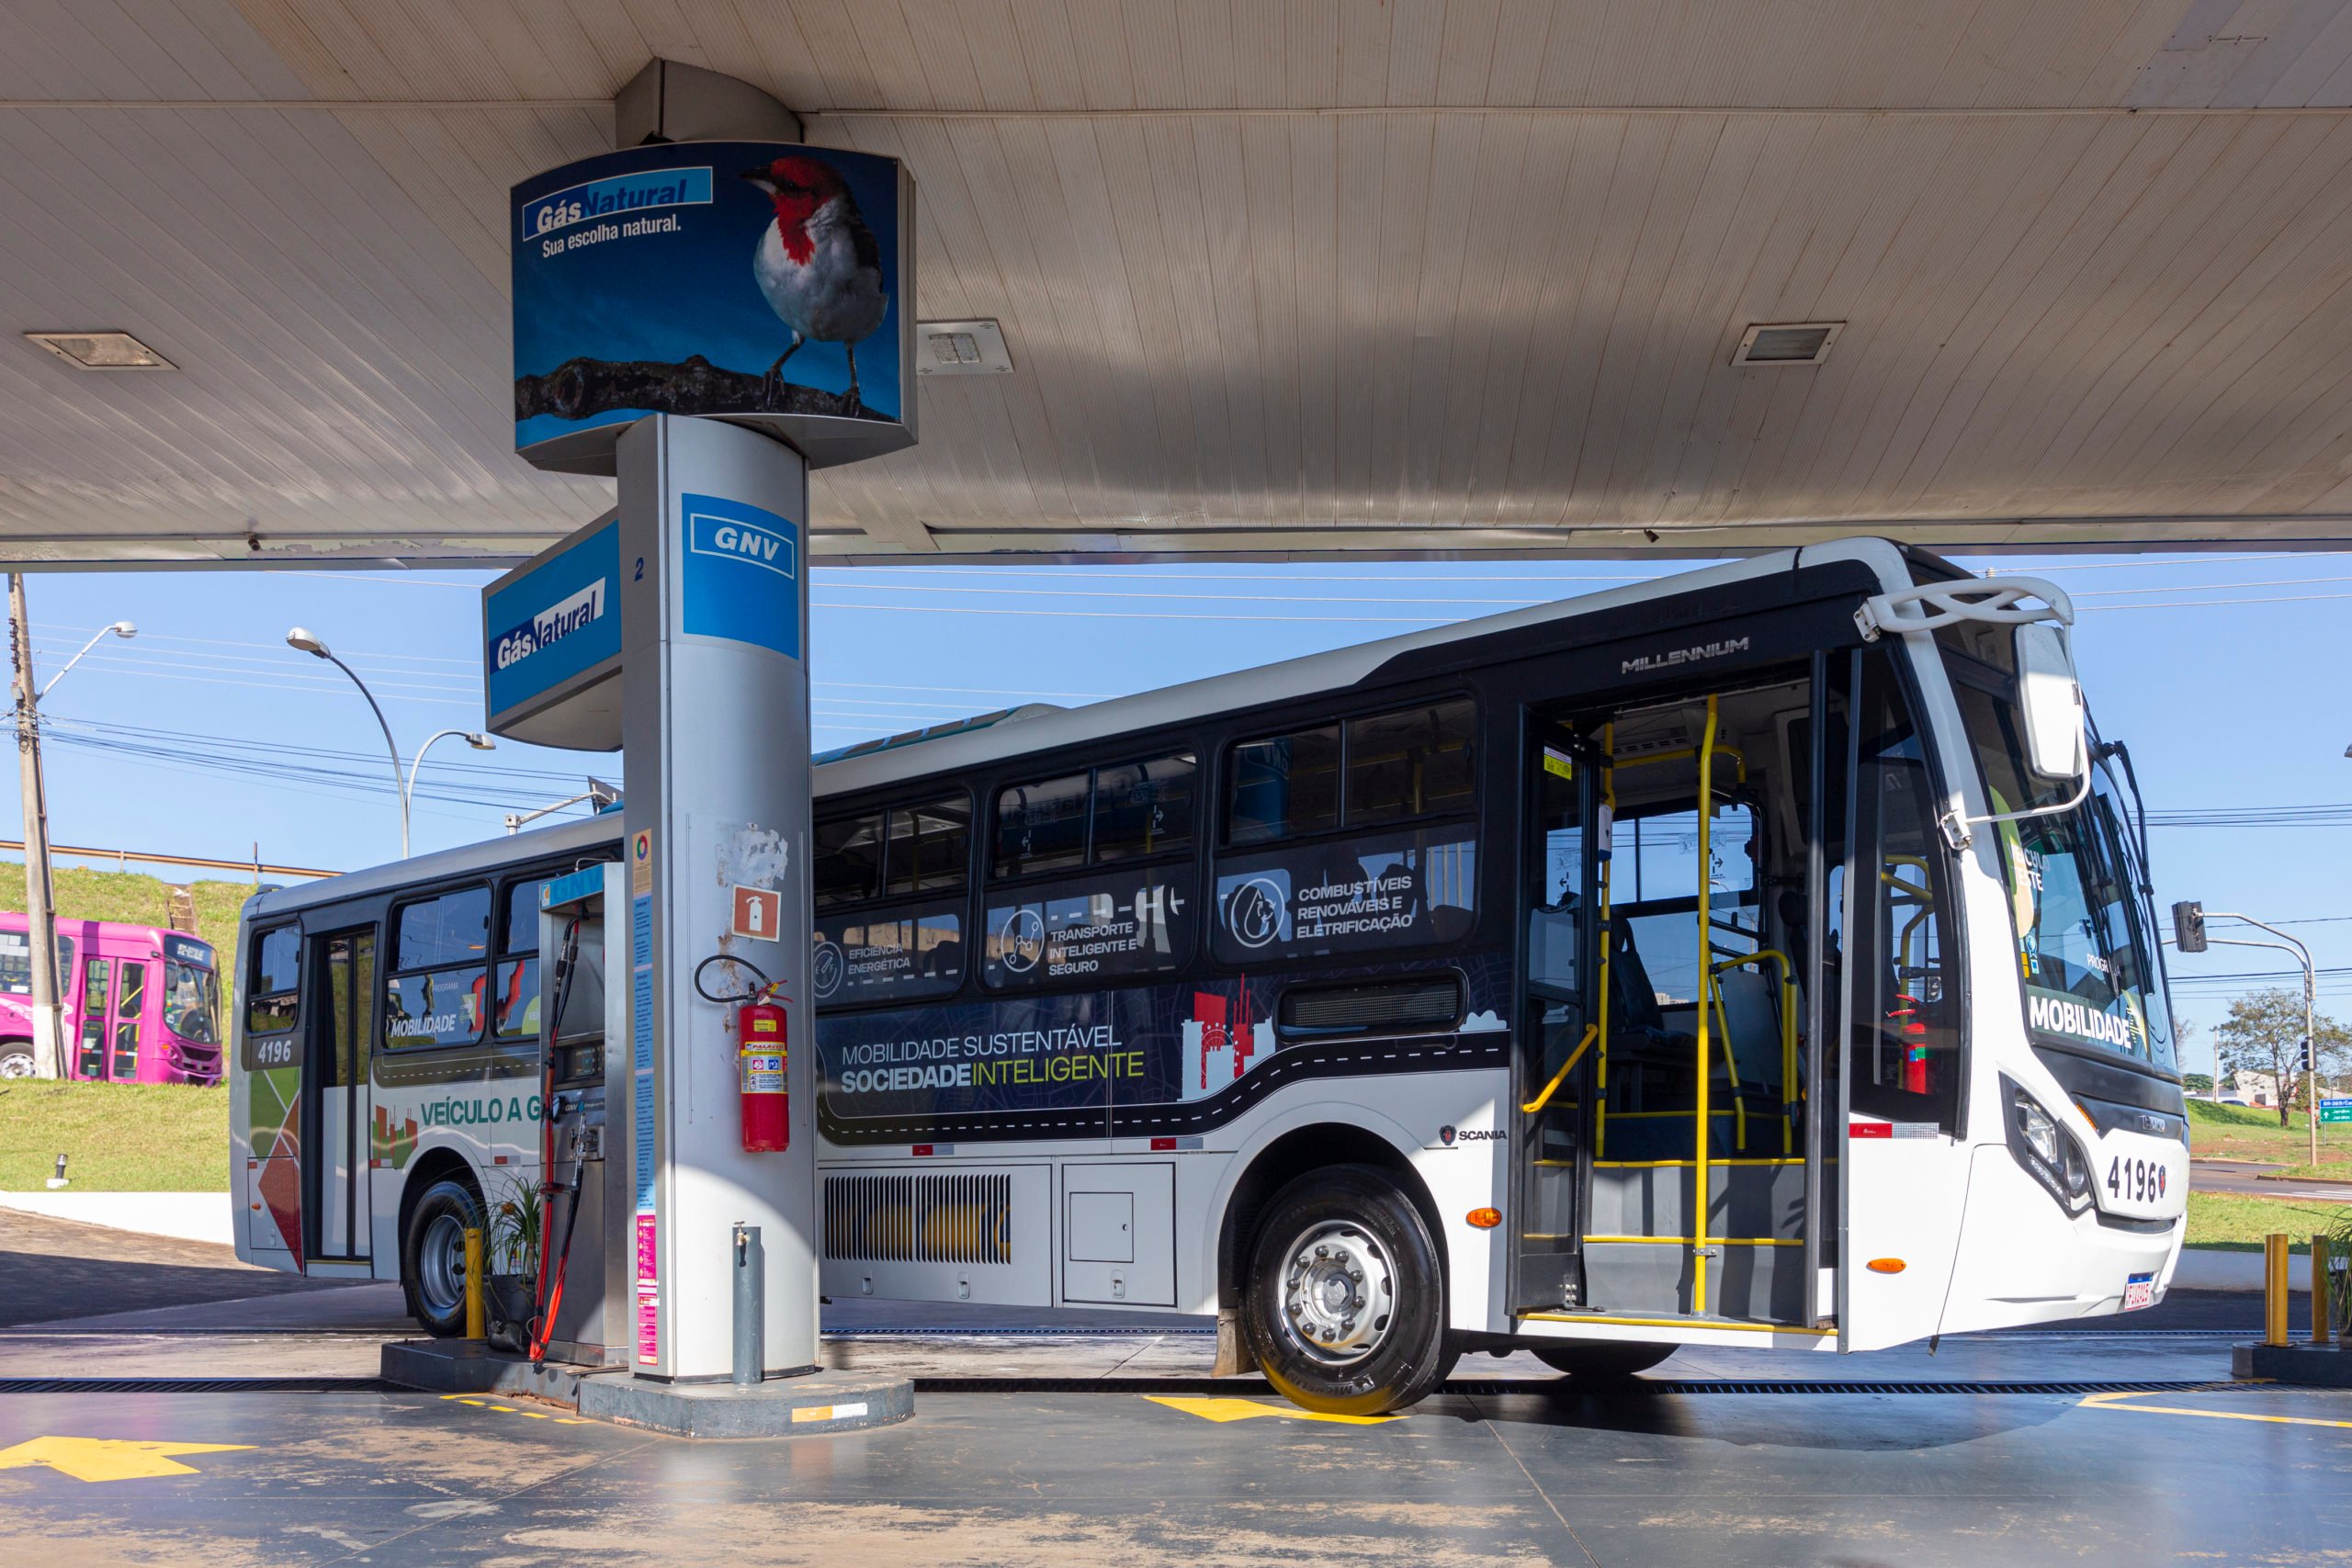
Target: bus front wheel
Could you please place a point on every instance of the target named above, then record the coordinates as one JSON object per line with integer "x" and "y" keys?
{"x": 1345, "y": 1302}
{"x": 432, "y": 1255}
{"x": 16, "y": 1059}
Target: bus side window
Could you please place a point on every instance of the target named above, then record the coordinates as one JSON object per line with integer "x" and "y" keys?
{"x": 514, "y": 1013}
{"x": 1285, "y": 785}
{"x": 442, "y": 962}
{"x": 847, "y": 852}
{"x": 273, "y": 985}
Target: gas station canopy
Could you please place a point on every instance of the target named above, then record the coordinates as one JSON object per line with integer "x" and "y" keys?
{"x": 1299, "y": 279}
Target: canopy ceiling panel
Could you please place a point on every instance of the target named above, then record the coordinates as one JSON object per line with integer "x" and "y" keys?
{"x": 1278, "y": 279}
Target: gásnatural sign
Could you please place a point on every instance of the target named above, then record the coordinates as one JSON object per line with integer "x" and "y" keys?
{"x": 551, "y": 644}
{"x": 763, "y": 283}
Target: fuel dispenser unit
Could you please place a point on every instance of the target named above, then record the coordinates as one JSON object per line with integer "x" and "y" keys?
{"x": 585, "y": 1307}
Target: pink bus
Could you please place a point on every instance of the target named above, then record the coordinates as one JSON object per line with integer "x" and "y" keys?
{"x": 137, "y": 1004}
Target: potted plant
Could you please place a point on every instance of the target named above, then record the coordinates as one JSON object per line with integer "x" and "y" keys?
{"x": 510, "y": 1284}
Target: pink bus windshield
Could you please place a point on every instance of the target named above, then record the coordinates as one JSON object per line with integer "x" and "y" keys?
{"x": 137, "y": 1004}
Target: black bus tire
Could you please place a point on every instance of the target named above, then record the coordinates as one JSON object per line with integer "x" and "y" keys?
{"x": 1359, "y": 1328}
{"x": 1599, "y": 1362}
{"x": 433, "y": 1268}
{"x": 16, "y": 1059}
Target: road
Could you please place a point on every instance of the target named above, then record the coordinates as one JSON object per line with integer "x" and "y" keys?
{"x": 2244, "y": 1177}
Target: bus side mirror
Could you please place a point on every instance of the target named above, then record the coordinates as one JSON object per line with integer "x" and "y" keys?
{"x": 2052, "y": 700}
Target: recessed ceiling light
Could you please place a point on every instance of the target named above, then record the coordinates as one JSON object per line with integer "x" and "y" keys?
{"x": 961, "y": 348}
{"x": 1792, "y": 343}
{"x": 102, "y": 351}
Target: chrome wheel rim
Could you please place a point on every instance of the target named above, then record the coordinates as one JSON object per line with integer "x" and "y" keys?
{"x": 441, "y": 1264}
{"x": 1336, "y": 1294}
{"x": 16, "y": 1065}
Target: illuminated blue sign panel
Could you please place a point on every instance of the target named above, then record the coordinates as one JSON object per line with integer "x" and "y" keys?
{"x": 551, "y": 632}
{"x": 763, "y": 283}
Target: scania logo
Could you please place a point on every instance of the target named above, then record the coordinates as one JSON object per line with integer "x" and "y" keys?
{"x": 1449, "y": 1136}
{"x": 1445, "y": 1136}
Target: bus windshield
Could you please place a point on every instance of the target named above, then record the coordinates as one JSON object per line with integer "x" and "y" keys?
{"x": 2086, "y": 935}
{"x": 191, "y": 1001}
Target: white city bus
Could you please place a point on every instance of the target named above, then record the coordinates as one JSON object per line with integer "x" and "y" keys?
{"x": 1391, "y": 1002}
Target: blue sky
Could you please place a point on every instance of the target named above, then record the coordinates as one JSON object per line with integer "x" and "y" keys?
{"x": 2224, "y": 673}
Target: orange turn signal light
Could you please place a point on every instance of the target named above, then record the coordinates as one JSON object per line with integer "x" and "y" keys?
{"x": 1485, "y": 1219}
{"x": 1887, "y": 1265}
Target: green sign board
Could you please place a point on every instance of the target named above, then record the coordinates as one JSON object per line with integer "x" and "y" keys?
{"x": 2335, "y": 1110}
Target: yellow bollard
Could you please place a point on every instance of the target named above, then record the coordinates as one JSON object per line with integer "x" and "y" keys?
{"x": 2323, "y": 1328}
{"x": 2274, "y": 1288}
{"x": 474, "y": 1328}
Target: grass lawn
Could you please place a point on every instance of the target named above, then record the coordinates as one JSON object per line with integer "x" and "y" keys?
{"x": 2225, "y": 1221}
{"x": 2244, "y": 1132}
{"x": 115, "y": 1137}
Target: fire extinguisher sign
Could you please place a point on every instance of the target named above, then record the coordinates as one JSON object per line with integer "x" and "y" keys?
{"x": 759, "y": 913}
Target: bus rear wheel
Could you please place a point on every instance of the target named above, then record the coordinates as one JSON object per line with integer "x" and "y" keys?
{"x": 1345, "y": 1300}
{"x": 1596, "y": 1363}
{"x": 16, "y": 1059}
{"x": 432, "y": 1255}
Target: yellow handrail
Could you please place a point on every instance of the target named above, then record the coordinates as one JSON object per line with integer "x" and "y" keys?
{"x": 1731, "y": 1064}
{"x": 1592, "y": 1033}
{"x": 1601, "y": 1063}
{"x": 1787, "y": 1031}
{"x": 1702, "y": 1121}
{"x": 1685, "y": 753}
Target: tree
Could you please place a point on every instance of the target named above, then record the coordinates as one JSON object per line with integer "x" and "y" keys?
{"x": 2196, "y": 1083}
{"x": 2264, "y": 1034}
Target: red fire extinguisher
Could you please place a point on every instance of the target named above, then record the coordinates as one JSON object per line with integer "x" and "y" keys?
{"x": 762, "y": 1053}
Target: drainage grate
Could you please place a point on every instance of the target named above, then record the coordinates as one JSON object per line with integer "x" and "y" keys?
{"x": 200, "y": 1386}
{"x": 1553, "y": 1387}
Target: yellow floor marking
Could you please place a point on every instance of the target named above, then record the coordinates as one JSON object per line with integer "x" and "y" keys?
{"x": 570, "y": 1421}
{"x": 1227, "y": 1409}
{"x": 2114, "y": 1402}
{"x": 108, "y": 1459}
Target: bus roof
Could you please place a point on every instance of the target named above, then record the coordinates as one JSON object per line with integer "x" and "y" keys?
{"x": 1043, "y": 728}
{"x": 13, "y": 920}
{"x": 586, "y": 833}
{"x": 1039, "y": 727}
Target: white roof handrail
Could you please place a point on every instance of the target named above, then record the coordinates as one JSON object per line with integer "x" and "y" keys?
{"x": 1994, "y": 601}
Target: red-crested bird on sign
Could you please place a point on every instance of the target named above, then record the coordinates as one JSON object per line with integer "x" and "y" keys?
{"x": 818, "y": 264}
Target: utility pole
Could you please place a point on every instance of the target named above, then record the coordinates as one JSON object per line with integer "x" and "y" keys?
{"x": 40, "y": 897}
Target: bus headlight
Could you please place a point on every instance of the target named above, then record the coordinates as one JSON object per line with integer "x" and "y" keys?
{"x": 2049, "y": 1153}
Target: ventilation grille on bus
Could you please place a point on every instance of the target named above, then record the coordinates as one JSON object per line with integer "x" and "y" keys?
{"x": 948, "y": 1218}
{"x": 1419, "y": 1005}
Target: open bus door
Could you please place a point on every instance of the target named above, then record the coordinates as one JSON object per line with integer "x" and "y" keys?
{"x": 338, "y": 1057}
{"x": 1902, "y": 1177}
{"x": 1559, "y": 1022}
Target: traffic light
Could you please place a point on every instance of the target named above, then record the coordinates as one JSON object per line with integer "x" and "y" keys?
{"x": 2188, "y": 926}
{"x": 2307, "y": 1066}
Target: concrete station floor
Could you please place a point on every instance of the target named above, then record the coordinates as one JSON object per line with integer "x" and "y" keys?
{"x": 1524, "y": 1469}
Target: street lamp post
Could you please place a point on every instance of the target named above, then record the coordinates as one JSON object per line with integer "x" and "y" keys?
{"x": 2311, "y": 991}
{"x": 40, "y": 893}
{"x": 308, "y": 642}
{"x": 472, "y": 738}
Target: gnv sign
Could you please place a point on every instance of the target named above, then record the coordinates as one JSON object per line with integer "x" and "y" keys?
{"x": 742, "y": 573}
{"x": 738, "y": 540}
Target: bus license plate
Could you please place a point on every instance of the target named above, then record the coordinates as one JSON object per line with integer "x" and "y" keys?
{"x": 2139, "y": 1291}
